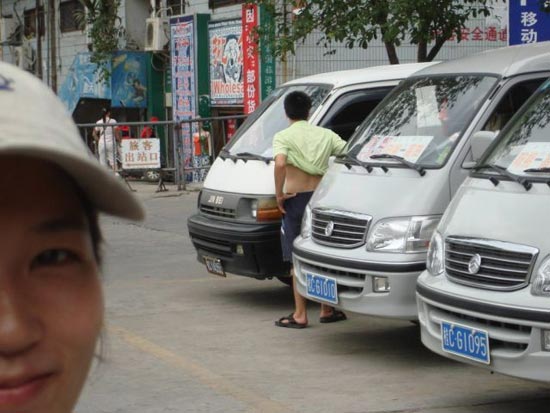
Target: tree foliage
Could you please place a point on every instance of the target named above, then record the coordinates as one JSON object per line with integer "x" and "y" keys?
{"x": 105, "y": 28}
{"x": 425, "y": 23}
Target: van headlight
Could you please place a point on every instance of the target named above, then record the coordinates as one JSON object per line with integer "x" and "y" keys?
{"x": 403, "y": 235}
{"x": 435, "y": 262}
{"x": 306, "y": 223}
{"x": 541, "y": 283}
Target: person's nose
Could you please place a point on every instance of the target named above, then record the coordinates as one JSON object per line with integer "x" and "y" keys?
{"x": 19, "y": 328}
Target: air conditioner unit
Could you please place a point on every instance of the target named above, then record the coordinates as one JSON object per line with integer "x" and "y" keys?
{"x": 156, "y": 33}
{"x": 7, "y": 28}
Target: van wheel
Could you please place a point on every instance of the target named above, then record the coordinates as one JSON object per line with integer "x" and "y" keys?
{"x": 286, "y": 280}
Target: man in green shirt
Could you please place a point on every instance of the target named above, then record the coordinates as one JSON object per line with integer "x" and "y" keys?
{"x": 301, "y": 154}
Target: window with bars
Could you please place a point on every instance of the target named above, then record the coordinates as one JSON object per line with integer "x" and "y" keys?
{"x": 29, "y": 20}
{"x": 67, "y": 11}
{"x": 220, "y": 3}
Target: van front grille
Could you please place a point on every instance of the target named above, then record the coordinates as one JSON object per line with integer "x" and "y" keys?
{"x": 339, "y": 229}
{"x": 488, "y": 264}
{"x": 218, "y": 212}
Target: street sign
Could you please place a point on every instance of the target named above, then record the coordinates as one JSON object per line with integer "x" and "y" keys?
{"x": 527, "y": 22}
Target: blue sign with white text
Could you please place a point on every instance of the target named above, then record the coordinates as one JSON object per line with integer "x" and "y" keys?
{"x": 527, "y": 22}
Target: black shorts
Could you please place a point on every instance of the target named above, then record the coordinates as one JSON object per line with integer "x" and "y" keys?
{"x": 292, "y": 222}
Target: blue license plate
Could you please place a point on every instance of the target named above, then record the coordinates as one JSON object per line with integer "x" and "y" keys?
{"x": 322, "y": 288}
{"x": 465, "y": 342}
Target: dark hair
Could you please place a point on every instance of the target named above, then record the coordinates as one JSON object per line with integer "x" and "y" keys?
{"x": 297, "y": 105}
{"x": 104, "y": 113}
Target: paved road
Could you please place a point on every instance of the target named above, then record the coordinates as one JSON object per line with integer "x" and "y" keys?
{"x": 180, "y": 340}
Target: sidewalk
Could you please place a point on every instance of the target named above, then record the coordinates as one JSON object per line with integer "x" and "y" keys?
{"x": 149, "y": 189}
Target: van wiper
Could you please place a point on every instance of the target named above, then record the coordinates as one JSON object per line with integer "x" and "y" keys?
{"x": 504, "y": 172}
{"x": 542, "y": 170}
{"x": 402, "y": 160}
{"x": 248, "y": 155}
{"x": 224, "y": 154}
{"x": 349, "y": 160}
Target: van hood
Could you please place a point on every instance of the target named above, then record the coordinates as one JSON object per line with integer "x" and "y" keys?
{"x": 399, "y": 192}
{"x": 506, "y": 212}
{"x": 250, "y": 177}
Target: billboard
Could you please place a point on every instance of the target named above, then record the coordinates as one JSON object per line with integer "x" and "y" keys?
{"x": 528, "y": 23}
{"x": 226, "y": 62}
{"x": 128, "y": 80}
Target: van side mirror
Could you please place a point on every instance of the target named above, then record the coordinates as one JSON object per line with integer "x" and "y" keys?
{"x": 479, "y": 143}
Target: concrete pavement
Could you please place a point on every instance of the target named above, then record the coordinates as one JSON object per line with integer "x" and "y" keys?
{"x": 178, "y": 339}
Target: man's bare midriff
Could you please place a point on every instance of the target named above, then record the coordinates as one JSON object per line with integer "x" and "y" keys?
{"x": 299, "y": 181}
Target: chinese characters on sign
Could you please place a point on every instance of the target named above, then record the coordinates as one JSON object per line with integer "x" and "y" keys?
{"x": 183, "y": 81}
{"x": 268, "y": 79}
{"x": 528, "y": 23}
{"x": 226, "y": 62}
{"x": 140, "y": 153}
{"x": 251, "y": 58}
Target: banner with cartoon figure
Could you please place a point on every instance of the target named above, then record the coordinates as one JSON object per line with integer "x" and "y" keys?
{"x": 226, "y": 62}
{"x": 129, "y": 80}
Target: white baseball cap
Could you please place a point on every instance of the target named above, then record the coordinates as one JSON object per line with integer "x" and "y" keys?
{"x": 35, "y": 123}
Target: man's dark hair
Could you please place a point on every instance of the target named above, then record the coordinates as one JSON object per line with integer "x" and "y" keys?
{"x": 297, "y": 105}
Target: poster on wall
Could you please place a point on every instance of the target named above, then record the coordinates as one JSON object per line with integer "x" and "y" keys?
{"x": 226, "y": 62}
{"x": 182, "y": 46}
{"x": 251, "y": 58}
{"x": 129, "y": 80}
{"x": 83, "y": 81}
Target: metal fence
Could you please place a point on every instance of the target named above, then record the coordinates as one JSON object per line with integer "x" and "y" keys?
{"x": 186, "y": 150}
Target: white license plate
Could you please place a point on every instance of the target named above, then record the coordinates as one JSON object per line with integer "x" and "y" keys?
{"x": 322, "y": 288}
{"x": 465, "y": 341}
{"x": 214, "y": 266}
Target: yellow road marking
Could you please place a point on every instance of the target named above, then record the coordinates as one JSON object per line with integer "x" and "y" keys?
{"x": 255, "y": 401}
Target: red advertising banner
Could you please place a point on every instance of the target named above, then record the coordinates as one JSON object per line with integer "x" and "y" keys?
{"x": 251, "y": 60}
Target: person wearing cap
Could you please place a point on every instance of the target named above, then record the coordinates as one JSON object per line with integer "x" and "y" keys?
{"x": 106, "y": 138}
{"x": 51, "y": 301}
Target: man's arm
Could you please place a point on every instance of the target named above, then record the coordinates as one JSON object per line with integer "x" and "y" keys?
{"x": 280, "y": 175}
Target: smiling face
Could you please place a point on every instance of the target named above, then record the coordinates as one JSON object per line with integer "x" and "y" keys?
{"x": 51, "y": 305}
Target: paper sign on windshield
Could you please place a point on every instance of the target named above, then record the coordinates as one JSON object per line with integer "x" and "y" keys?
{"x": 408, "y": 147}
{"x": 532, "y": 155}
{"x": 427, "y": 112}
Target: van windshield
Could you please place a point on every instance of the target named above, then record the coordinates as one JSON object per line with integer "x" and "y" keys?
{"x": 524, "y": 149}
{"x": 255, "y": 136}
{"x": 422, "y": 120}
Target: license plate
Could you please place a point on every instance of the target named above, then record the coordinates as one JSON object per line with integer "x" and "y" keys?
{"x": 465, "y": 342}
{"x": 214, "y": 266}
{"x": 322, "y": 288}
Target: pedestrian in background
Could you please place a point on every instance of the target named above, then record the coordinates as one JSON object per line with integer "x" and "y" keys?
{"x": 301, "y": 154}
{"x": 51, "y": 301}
{"x": 107, "y": 139}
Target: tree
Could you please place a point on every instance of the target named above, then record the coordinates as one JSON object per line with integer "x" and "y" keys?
{"x": 426, "y": 23}
{"x": 101, "y": 19}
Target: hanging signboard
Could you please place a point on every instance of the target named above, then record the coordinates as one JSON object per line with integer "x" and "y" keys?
{"x": 528, "y": 23}
{"x": 267, "y": 58}
{"x": 140, "y": 153}
{"x": 129, "y": 80}
{"x": 182, "y": 46}
{"x": 226, "y": 63}
{"x": 251, "y": 58}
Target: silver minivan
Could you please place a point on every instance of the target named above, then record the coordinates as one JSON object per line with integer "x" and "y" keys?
{"x": 485, "y": 297}
{"x": 368, "y": 226}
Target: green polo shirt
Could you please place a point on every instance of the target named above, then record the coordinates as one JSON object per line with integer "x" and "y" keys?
{"x": 307, "y": 147}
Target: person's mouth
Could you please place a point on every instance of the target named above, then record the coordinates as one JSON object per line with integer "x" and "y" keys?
{"x": 20, "y": 390}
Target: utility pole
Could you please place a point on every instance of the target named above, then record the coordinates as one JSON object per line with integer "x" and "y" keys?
{"x": 53, "y": 44}
{"x": 39, "y": 20}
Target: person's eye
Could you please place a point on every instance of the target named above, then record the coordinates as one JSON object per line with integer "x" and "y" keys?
{"x": 54, "y": 257}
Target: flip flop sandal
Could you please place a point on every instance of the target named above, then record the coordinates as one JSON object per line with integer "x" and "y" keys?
{"x": 336, "y": 315}
{"x": 289, "y": 322}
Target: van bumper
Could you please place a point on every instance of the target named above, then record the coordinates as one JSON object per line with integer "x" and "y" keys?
{"x": 515, "y": 334}
{"x": 261, "y": 246}
{"x": 355, "y": 282}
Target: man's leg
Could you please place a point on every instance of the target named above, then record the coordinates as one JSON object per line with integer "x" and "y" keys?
{"x": 300, "y": 303}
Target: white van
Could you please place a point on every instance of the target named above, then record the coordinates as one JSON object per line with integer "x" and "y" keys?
{"x": 485, "y": 297}
{"x": 237, "y": 227}
{"x": 368, "y": 225}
